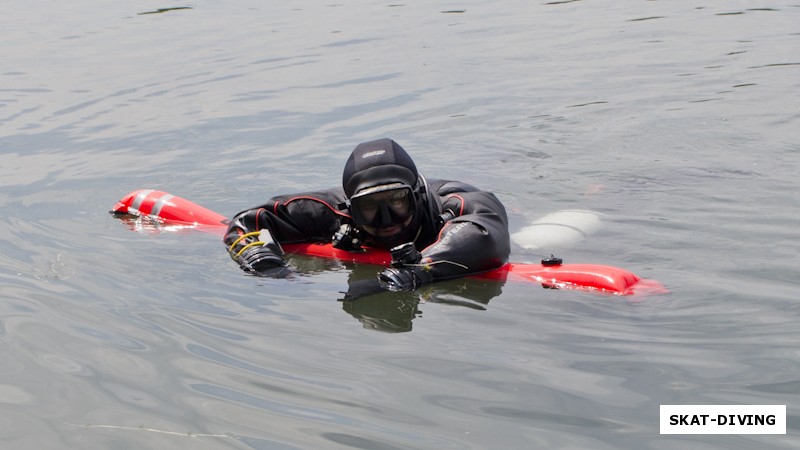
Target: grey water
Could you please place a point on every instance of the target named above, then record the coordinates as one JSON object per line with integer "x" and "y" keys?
{"x": 677, "y": 121}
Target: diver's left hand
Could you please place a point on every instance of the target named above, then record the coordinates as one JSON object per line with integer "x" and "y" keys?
{"x": 404, "y": 278}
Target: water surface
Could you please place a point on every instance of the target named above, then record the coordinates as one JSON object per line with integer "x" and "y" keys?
{"x": 675, "y": 120}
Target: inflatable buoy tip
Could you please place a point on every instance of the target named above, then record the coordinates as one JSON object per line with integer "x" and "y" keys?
{"x": 119, "y": 208}
{"x": 167, "y": 209}
{"x": 122, "y": 206}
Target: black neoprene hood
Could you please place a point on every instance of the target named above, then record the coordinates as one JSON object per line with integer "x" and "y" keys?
{"x": 376, "y": 163}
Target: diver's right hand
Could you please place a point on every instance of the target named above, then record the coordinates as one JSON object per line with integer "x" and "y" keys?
{"x": 262, "y": 260}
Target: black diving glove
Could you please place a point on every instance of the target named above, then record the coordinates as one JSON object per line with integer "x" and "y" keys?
{"x": 262, "y": 260}
{"x": 404, "y": 278}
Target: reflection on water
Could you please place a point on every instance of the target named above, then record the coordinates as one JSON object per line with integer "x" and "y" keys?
{"x": 390, "y": 312}
{"x": 676, "y": 121}
{"x": 394, "y": 312}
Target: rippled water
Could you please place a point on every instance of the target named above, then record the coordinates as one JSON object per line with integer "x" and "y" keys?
{"x": 675, "y": 120}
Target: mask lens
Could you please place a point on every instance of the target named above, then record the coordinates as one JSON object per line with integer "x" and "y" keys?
{"x": 373, "y": 207}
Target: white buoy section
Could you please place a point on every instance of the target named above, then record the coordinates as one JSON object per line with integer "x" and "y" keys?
{"x": 558, "y": 230}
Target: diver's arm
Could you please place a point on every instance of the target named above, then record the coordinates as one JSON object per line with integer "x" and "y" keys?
{"x": 475, "y": 240}
{"x": 284, "y": 219}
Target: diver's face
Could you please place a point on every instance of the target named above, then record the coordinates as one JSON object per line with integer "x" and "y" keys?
{"x": 384, "y": 212}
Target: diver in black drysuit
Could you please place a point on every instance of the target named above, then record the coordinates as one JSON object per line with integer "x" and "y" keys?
{"x": 456, "y": 229}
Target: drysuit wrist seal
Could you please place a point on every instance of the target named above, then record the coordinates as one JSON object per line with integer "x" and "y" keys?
{"x": 405, "y": 254}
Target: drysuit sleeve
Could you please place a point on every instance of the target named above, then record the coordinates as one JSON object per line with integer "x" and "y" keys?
{"x": 476, "y": 239}
{"x": 302, "y": 217}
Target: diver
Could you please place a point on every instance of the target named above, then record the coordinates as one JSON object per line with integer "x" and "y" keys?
{"x": 435, "y": 229}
